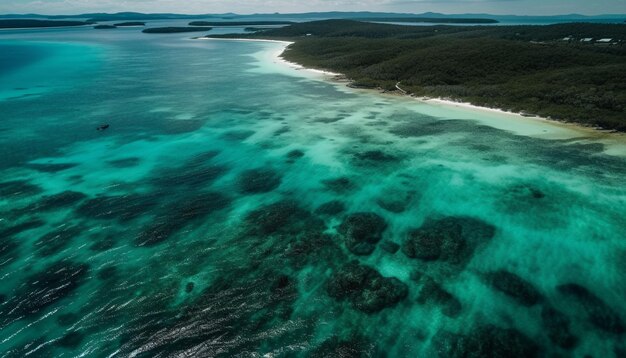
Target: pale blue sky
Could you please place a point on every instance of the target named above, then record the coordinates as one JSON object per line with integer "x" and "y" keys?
{"x": 515, "y": 7}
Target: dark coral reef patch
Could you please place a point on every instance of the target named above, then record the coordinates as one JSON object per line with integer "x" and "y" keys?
{"x": 433, "y": 293}
{"x": 365, "y": 288}
{"x": 515, "y": 287}
{"x": 362, "y": 231}
{"x": 121, "y": 207}
{"x": 259, "y": 180}
{"x": 452, "y": 239}
{"x": 181, "y": 214}
{"x": 599, "y": 314}
{"x": 487, "y": 341}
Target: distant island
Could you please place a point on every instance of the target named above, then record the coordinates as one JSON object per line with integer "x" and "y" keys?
{"x": 172, "y": 30}
{"x": 434, "y": 20}
{"x": 121, "y": 24}
{"x": 239, "y": 23}
{"x": 26, "y": 23}
{"x": 134, "y": 23}
{"x": 308, "y": 16}
{"x": 573, "y": 72}
{"x": 105, "y": 27}
{"x": 256, "y": 29}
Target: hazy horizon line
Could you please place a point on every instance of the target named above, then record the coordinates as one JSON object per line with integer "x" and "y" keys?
{"x": 312, "y": 12}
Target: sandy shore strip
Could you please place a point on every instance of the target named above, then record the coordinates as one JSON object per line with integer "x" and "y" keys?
{"x": 278, "y": 55}
{"x": 615, "y": 141}
{"x": 281, "y": 59}
{"x": 286, "y": 43}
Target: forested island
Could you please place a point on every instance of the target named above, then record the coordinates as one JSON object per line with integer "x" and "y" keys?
{"x": 27, "y": 23}
{"x": 173, "y": 30}
{"x": 572, "y": 72}
{"x": 239, "y": 23}
{"x": 121, "y": 24}
{"x": 255, "y": 29}
{"x": 433, "y": 20}
{"x": 131, "y": 23}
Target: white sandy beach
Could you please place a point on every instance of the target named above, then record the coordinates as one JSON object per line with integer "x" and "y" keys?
{"x": 286, "y": 43}
{"x": 514, "y": 122}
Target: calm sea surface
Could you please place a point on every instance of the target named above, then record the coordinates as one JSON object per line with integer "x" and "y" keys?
{"x": 238, "y": 207}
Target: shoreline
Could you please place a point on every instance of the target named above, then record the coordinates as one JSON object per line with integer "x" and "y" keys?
{"x": 614, "y": 140}
{"x": 286, "y": 43}
{"x": 299, "y": 67}
{"x": 436, "y": 100}
{"x": 278, "y": 54}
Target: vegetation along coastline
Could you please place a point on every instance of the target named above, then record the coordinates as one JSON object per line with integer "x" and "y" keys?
{"x": 173, "y": 30}
{"x": 573, "y": 72}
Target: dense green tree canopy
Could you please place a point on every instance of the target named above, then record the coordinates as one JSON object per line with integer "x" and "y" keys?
{"x": 521, "y": 68}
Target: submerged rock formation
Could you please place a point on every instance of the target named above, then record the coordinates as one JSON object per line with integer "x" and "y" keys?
{"x": 121, "y": 207}
{"x": 599, "y": 314}
{"x": 335, "y": 347}
{"x": 362, "y": 231}
{"x": 390, "y": 246}
{"x": 56, "y": 201}
{"x": 180, "y": 215}
{"x": 332, "y": 207}
{"x": 56, "y": 241}
{"x": 434, "y": 293}
{"x": 365, "y": 288}
{"x": 259, "y": 180}
{"x": 557, "y": 326}
{"x": 515, "y": 287}
{"x": 339, "y": 185}
{"x": 487, "y": 342}
{"x": 452, "y": 239}
{"x": 271, "y": 218}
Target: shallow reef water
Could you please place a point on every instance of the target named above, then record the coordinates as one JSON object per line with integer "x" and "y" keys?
{"x": 238, "y": 207}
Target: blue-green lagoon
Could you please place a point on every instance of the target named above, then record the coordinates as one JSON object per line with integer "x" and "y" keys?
{"x": 240, "y": 207}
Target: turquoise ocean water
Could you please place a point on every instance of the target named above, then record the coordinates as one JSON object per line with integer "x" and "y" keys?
{"x": 239, "y": 207}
